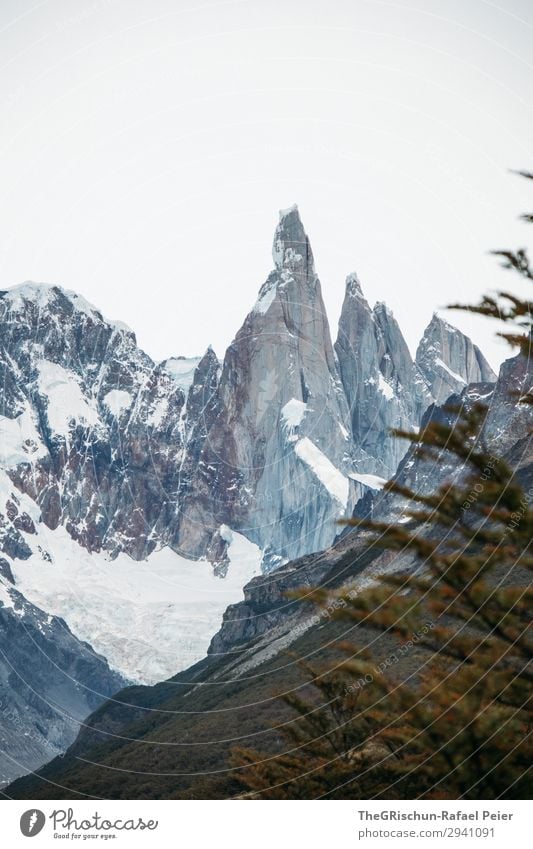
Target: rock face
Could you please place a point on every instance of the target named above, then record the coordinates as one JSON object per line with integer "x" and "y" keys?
{"x": 277, "y": 455}
{"x": 202, "y": 410}
{"x": 448, "y": 360}
{"x": 509, "y": 421}
{"x": 298, "y": 432}
{"x": 383, "y": 386}
{"x": 265, "y": 614}
{"x": 92, "y": 425}
{"x": 385, "y": 389}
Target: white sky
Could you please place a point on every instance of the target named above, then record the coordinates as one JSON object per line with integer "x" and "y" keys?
{"x": 148, "y": 144}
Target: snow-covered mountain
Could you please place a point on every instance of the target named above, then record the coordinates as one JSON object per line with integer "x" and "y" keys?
{"x": 251, "y": 647}
{"x": 92, "y": 424}
{"x": 287, "y": 434}
{"x": 138, "y": 498}
{"x": 92, "y": 436}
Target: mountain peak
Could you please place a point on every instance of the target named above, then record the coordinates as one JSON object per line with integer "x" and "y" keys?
{"x": 381, "y": 308}
{"x": 438, "y": 321}
{"x": 449, "y": 360}
{"x": 209, "y": 358}
{"x": 291, "y": 210}
{"x": 353, "y": 286}
{"x": 291, "y": 248}
{"x": 50, "y": 295}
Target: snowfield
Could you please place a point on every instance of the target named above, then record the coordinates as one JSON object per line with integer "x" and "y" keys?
{"x": 182, "y": 370}
{"x": 150, "y": 619}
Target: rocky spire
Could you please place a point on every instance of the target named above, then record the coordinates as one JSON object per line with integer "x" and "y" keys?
{"x": 381, "y": 383}
{"x": 448, "y": 360}
{"x": 291, "y": 249}
{"x": 277, "y": 456}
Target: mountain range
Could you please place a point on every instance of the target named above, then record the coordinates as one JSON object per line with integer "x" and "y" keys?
{"x": 138, "y": 499}
{"x": 174, "y": 739}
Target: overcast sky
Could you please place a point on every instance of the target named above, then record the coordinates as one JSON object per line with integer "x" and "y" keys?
{"x": 147, "y": 146}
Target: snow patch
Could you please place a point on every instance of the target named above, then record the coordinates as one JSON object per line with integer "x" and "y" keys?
{"x": 66, "y": 401}
{"x": 344, "y": 432}
{"x": 39, "y": 293}
{"x": 291, "y": 256}
{"x": 329, "y": 476}
{"x": 117, "y": 400}
{"x": 373, "y": 481}
{"x": 226, "y": 534}
{"x": 292, "y": 414}
{"x": 442, "y": 364}
{"x": 158, "y": 413}
{"x": 182, "y": 370}
{"x": 5, "y": 596}
{"x": 265, "y": 300}
{"x": 19, "y": 440}
{"x": 284, "y": 212}
{"x": 385, "y": 388}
